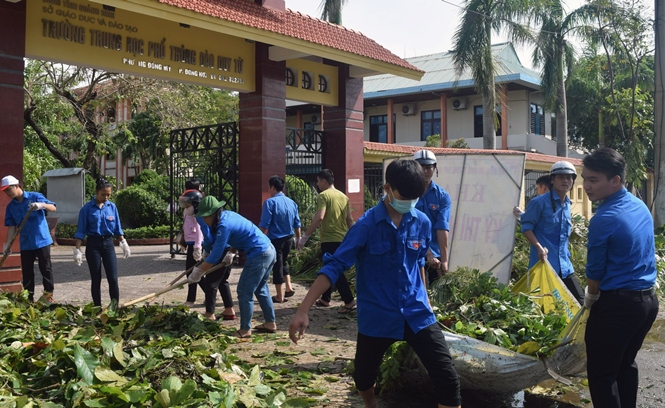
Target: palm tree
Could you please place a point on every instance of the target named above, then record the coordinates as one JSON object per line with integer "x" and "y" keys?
{"x": 554, "y": 52}
{"x": 331, "y": 11}
{"x": 473, "y": 49}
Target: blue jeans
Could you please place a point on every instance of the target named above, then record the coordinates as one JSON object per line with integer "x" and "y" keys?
{"x": 100, "y": 250}
{"x": 254, "y": 281}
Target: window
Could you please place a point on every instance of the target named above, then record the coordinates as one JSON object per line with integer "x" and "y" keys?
{"x": 430, "y": 124}
{"x": 537, "y": 120}
{"x": 478, "y": 121}
{"x": 378, "y": 128}
{"x": 306, "y": 80}
{"x": 290, "y": 77}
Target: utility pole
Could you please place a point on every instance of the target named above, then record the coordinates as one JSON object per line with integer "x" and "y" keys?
{"x": 658, "y": 205}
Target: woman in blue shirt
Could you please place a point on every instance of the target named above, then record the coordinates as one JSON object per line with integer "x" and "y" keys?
{"x": 99, "y": 221}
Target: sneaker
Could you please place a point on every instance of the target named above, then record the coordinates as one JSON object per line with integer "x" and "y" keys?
{"x": 47, "y": 299}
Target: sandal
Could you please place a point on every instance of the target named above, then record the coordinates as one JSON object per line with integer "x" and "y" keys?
{"x": 289, "y": 293}
{"x": 242, "y": 336}
{"x": 321, "y": 303}
{"x": 228, "y": 317}
{"x": 263, "y": 329}
{"x": 346, "y": 309}
{"x": 274, "y": 300}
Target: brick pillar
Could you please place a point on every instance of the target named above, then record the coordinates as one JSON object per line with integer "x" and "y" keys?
{"x": 262, "y": 138}
{"x": 12, "y": 51}
{"x": 343, "y": 139}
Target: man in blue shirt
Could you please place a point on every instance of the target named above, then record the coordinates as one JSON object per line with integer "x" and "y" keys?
{"x": 388, "y": 245}
{"x": 35, "y": 236}
{"x": 237, "y": 231}
{"x": 621, "y": 274}
{"x": 547, "y": 222}
{"x": 279, "y": 220}
{"x": 435, "y": 203}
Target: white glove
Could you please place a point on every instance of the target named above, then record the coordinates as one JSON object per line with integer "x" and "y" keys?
{"x": 4, "y": 248}
{"x": 37, "y": 206}
{"x": 196, "y": 275}
{"x": 228, "y": 258}
{"x": 78, "y": 256}
{"x": 197, "y": 254}
{"x": 302, "y": 241}
{"x": 589, "y": 299}
{"x": 125, "y": 249}
{"x": 517, "y": 212}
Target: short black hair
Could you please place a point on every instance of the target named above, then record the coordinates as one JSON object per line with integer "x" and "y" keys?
{"x": 192, "y": 184}
{"x": 327, "y": 175}
{"x": 607, "y": 161}
{"x": 103, "y": 184}
{"x": 543, "y": 180}
{"x": 277, "y": 182}
{"x": 407, "y": 177}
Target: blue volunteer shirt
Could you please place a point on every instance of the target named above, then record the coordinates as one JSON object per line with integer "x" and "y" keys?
{"x": 237, "y": 231}
{"x": 552, "y": 229}
{"x": 621, "y": 248}
{"x": 388, "y": 259}
{"x": 435, "y": 203}
{"x": 279, "y": 216}
{"x": 35, "y": 233}
{"x": 96, "y": 221}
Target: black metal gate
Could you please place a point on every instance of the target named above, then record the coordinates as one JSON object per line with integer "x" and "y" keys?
{"x": 208, "y": 154}
{"x": 304, "y": 159}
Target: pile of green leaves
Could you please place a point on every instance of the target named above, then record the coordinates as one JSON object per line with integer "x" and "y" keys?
{"x": 474, "y": 304}
{"x": 68, "y": 356}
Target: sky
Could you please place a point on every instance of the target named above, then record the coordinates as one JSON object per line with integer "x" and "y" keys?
{"x": 408, "y": 28}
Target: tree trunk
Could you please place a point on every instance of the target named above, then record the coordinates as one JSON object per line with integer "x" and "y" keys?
{"x": 489, "y": 117}
{"x": 562, "y": 121}
{"x": 659, "y": 128}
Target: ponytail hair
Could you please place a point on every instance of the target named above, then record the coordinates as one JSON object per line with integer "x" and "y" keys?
{"x": 102, "y": 184}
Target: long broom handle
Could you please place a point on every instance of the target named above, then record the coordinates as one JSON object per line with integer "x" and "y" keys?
{"x": 184, "y": 273}
{"x": 169, "y": 288}
{"x": 11, "y": 241}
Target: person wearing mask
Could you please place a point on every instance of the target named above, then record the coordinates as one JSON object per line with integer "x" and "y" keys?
{"x": 98, "y": 224}
{"x": 621, "y": 275}
{"x": 334, "y": 217}
{"x": 547, "y": 223}
{"x": 435, "y": 203}
{"x": 388, "y": 245}
{"x": 280, "y": 221}
{"x": 228, "y": 228}
{"x": 191, "y": 230}
{"x": 35, "y": 238}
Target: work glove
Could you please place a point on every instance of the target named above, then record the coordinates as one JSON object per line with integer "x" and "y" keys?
{"x": 589, "y": 299}
{"x": 517, "y": 212}
{"x": 37, "y": 206}
{"x": 302, "y": 241}
{"x": 4, "y": 248}
{"x": 125, "y": 249}
{"x": 78, "y": 257}
{"x": 197, "y": 254}
{"x": 196, "y": 275}
{"x": 228, "y": 258}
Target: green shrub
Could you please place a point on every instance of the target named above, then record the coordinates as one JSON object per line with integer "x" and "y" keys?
{"x": 152, "y": 182}
{"x": 160, "y": 231}
{"x": 65, "y": 230}
{"x": 299, "y": 191}
{"x": 140, "y": 208}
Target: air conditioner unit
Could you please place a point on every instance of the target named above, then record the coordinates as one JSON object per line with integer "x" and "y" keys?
{"x": 459, "y": 103}
{"x": 409, "y": 109}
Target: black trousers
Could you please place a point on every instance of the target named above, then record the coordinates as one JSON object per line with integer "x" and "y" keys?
{"x": 282, "y": 249}
{"x": 573, "y": 285}
{"x": 189, "y": 262}
{"x": 430, "y": 346}
{"x": 213, "y": 281}
{"x": 43, "y": 257}
{"x": 342, "y": 283}
{"x": 618, "y": 323}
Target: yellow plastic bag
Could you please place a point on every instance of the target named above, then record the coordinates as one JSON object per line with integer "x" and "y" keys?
{"x": 546, "y": 288}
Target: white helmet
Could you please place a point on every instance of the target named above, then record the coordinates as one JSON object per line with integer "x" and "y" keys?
{"x": 563, "y": 167}
{"x": 424, "y": 157}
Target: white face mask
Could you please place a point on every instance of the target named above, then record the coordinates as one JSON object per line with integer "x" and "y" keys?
{"x": 402, "y": 206}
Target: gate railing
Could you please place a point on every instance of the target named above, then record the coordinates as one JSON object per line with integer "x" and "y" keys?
{"x": 208, "y": 154}
{"x": 304, "y": 159}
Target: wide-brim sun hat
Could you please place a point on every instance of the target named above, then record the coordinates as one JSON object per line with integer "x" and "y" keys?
{"x": 209, "y": 205}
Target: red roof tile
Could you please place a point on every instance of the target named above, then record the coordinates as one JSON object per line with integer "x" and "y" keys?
{"x": 292, "y": 24}
{"x": 406, "y": 149}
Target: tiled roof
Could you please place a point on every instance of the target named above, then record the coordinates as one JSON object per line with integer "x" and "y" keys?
{"x": 401, "y": 150}
{"x": 292, "y": 24}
